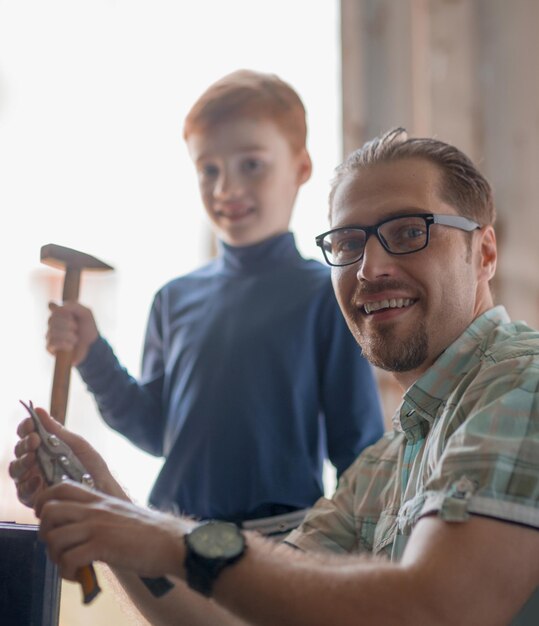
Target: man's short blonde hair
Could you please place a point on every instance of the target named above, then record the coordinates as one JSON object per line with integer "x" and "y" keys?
{"x": 462, "y": 186}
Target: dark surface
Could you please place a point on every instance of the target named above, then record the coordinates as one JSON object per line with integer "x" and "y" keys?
{"x": 29, "y": 583}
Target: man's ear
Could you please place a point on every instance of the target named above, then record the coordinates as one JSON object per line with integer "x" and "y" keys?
{"x": 305, "y": 166}
{"x": 488, "y": 252}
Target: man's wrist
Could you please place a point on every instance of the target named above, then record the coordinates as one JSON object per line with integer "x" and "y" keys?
{"x": 210, "y": 548}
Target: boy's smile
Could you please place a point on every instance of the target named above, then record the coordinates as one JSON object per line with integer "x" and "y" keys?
{"x": 248, "y": 178}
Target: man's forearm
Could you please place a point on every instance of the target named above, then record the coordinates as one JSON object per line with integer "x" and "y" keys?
{"x": 448, "y": 574}
{"x": 180, "y": 606}
{"x": 282, "y": 586}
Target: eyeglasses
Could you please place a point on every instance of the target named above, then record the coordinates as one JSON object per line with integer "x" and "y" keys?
{"x": 404, "y": 234}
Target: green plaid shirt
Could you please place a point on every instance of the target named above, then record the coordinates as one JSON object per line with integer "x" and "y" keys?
{"x": 465, "y": 440}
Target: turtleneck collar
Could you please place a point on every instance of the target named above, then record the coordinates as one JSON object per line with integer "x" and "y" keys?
{"x": 258, "y": 257}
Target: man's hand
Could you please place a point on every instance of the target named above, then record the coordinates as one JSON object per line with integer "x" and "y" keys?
{"x": 80, "y": 525}
{"x": 71, "y": 327}
{"x": 25, "y": 470}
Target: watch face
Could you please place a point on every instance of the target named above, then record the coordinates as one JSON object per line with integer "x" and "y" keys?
{"x": 215, "y": 540}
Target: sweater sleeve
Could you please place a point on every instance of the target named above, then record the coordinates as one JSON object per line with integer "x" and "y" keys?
{"x": 350, "y": 399}
{"x": 131, "y": 407}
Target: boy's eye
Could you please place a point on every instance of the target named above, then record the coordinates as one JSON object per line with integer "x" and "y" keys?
{"x": 209, "y": 171}
{"x": 251, "y": 165}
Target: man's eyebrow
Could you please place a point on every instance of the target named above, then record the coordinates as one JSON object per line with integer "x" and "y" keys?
{"x": 400, "y": 212}
{"x": 404, "y": 211}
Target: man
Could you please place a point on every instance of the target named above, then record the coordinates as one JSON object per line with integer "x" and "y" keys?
{"x": 447, "y": 503}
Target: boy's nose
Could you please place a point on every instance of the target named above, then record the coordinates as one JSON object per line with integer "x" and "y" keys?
{"x": 376, "y": 261}
{"x": 227, "y": 186}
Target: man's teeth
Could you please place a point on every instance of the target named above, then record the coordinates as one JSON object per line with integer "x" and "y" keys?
{"x": 394, "y": 303}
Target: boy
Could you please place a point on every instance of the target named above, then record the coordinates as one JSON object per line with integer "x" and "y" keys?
{"x": 249, "y": 372}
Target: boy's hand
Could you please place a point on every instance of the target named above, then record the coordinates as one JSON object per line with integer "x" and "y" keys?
{"x": 71, "y": 327}
{"x": 25, "y": 470}
{"x": 80, "y": 525}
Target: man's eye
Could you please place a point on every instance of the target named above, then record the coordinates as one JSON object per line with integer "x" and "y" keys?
{"x": 412, "y": 232}
{"x": 404, "y": 232}
{"x": 348, "y": 245}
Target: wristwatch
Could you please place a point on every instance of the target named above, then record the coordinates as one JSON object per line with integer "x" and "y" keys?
{"x": 210, "y": 547}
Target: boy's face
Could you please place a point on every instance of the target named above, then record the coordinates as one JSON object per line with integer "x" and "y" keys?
{"x": 248, "y": 178}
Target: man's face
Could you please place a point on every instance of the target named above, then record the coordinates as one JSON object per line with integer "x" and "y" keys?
{"x": 248, "y": 178}
{"x": 418, "y": 303}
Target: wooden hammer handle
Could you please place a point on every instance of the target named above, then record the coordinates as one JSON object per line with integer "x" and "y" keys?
{"x": 60, "y": 385}
{"x": 88, "y": 581}
{"x": 62, "y": 366}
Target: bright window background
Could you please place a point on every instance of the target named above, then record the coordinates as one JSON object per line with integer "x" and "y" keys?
{"x": 92, "y": 100}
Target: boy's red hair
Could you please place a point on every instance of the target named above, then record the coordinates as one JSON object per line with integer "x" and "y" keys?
{"x": 246, "y": 93}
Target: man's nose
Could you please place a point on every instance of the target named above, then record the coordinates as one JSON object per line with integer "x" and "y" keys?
{"x": 376, "y": 261}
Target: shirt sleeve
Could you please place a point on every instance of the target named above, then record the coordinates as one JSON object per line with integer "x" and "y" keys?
{"x": 330, "y": 525}
{"x": 132, "y": 407}
{"x": 490, "y": 464}
{"x": 347, "y": 523}
{"x": 349, "y": 392}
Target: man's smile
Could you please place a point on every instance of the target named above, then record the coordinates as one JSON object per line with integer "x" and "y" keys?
{"x": 383, "y": 300}
{"x": 392, "y": 303}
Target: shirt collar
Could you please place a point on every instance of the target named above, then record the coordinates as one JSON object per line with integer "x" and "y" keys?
{"x": 423, "y": 399}
{"x": 261, "y": 256}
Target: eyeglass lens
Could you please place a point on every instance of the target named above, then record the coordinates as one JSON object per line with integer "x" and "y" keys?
{"x": 399, "y": 236}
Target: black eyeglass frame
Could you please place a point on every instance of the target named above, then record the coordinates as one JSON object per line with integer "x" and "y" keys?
{"x": 454, "y": 221}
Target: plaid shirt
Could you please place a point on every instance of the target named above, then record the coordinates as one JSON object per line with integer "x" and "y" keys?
{"x": 465, "y": 441}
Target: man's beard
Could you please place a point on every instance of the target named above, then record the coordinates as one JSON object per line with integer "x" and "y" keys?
{"x": 392, "y": 352}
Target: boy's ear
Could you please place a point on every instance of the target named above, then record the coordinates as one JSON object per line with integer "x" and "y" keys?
{"x": 305, "y": 167}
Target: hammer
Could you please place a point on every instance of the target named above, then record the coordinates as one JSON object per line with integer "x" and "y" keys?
{"x": 73, "y": 262}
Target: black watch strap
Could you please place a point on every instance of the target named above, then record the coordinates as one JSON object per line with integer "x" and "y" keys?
{"x": 201, "y": 573}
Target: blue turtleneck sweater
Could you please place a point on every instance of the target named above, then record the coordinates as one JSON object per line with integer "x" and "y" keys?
{"x": 250, "y": 378}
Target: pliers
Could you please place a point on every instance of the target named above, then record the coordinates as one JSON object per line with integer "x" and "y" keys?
{"x": 57, "y": 463}
{"x": 55, "y": 458}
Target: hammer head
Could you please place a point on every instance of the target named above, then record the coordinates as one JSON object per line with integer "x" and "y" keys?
{"x": 66, "y": 258}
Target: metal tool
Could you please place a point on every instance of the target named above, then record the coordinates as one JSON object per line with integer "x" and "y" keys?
{"x": 55, "y": 457}
{"x": 73, "y": 262}
{"x": 57, "y": 462}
